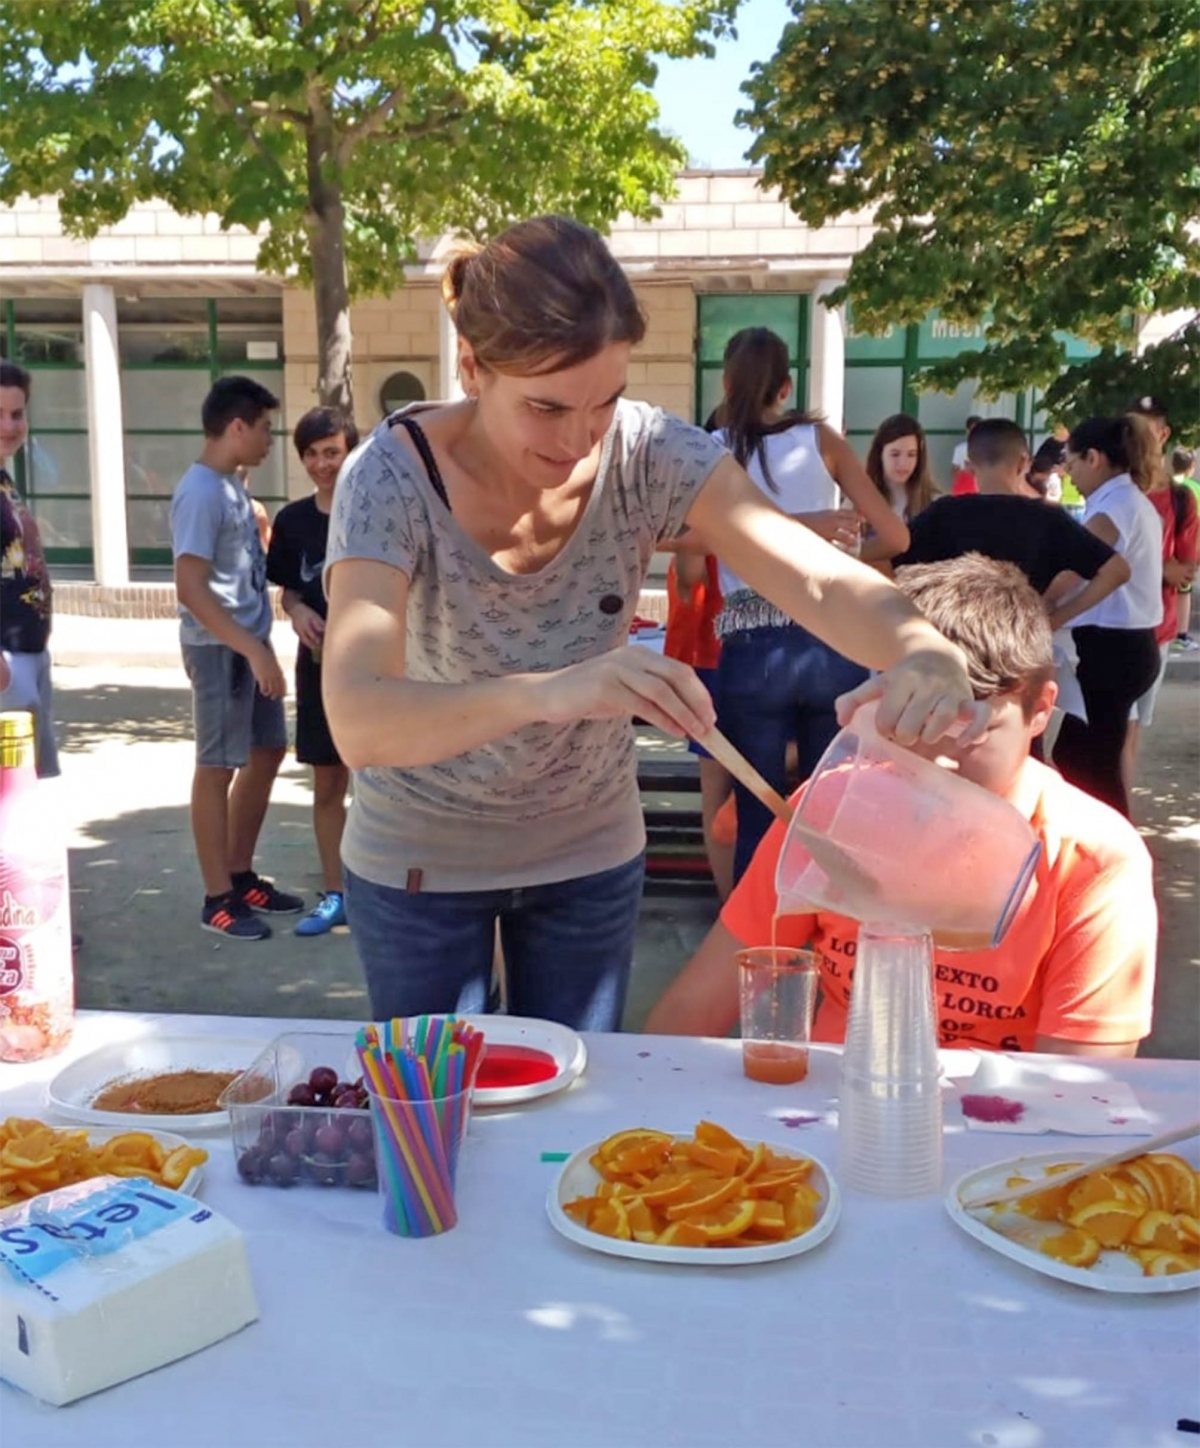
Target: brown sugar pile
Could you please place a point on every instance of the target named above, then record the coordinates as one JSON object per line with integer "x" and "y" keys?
{"x": 170, "y": 1093}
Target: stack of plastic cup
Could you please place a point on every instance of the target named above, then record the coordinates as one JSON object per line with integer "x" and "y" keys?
{"x": 890, "y": 1107}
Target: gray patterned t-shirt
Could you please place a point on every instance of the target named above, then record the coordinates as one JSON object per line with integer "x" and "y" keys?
{"x": 550, "y": 801}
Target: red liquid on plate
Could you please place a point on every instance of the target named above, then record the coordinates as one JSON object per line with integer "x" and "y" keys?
{"x": 504, "y": 1067}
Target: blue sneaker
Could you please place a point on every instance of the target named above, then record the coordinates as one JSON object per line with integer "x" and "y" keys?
{"x": 330, "y": 910}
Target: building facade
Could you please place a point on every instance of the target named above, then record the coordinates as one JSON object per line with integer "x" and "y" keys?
{"x": 124, "y": 334}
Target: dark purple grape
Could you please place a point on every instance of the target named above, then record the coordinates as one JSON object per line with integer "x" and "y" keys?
{"x": 323, "y": 1081}
{"x": 359, "y": 1085}
{"x": 296, "y": 1142}
{"x": 328, "y": 1141}
{"x": 283, "y": 1169}
{"x": 252, "y": 1166}
{"x": 360, "y": 1171}
{"x": 346, "y": 1099}
{"x": 359, "y": 1135}
{"x": 324, "y": 1170}
{"x": 302, "y": 1094}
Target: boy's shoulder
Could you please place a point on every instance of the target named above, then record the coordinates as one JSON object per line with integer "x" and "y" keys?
{"x": 1082, "y": 830}
{"x": 200, "y": 479}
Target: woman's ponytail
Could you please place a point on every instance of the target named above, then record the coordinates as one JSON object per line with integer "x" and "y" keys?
{"x": 1143, "y": 456}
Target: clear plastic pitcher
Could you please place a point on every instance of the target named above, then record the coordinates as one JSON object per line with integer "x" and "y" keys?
{"x": 882, "y": 834}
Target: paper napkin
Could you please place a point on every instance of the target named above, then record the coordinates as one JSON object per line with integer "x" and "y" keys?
{"x": 1075, "y": 1098}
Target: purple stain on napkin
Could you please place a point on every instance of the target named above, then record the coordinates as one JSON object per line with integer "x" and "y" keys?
{"x": 796, "y": 1118}
{"x": 1118, "y": 1121}
{"x": 642, "y": 1055}
{"x": 1103, "y": 1100}
{"x": 992, "y": 1108}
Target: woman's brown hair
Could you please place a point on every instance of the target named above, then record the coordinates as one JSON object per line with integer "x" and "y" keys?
{"x": 918, "y": 491}
{"x": 756, "y": 371}
{"x": 543, "y": 296}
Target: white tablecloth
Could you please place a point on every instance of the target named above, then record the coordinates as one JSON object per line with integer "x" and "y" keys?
{"x": 899, "y": 1330}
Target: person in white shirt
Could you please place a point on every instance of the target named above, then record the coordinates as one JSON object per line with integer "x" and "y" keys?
{"x": 776, "y": 681}
{"x": 1112, "y": 461}
{"x": 960, "y": 458}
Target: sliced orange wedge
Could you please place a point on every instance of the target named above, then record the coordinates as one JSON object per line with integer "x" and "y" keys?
{"x": 1074, "y": 1247}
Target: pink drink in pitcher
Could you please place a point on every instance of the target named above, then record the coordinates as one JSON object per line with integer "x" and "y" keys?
{"x": 37, "y": 987}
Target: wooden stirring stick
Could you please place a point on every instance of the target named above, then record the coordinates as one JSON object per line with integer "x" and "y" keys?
{"x": 741, "y": 769}
{"x": 1061, "y": 1178}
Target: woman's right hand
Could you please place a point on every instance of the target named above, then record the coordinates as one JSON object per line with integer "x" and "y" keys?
{"x": 628, "y": 682}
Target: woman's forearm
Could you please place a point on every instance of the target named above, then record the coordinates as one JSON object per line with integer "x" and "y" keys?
{"x": 381, "y": 722}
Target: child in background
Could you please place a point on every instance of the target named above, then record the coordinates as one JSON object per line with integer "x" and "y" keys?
{"x": 324, "y": 438}
{"x": 1075, "y": 973}
{"x": 1183, "y": 475}
{"x": 1114, "y": 462}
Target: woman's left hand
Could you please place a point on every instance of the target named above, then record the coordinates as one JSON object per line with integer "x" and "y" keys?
{"x": 921, "y": 698}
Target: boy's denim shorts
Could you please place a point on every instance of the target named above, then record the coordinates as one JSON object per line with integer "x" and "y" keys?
{"x": 230, "y": 716}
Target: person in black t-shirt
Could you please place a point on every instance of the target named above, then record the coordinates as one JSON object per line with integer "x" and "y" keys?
{"x": 1008, "y": 521}
{"x": 324, "y": 438}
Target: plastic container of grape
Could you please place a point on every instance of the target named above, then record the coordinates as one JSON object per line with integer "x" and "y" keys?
{"x": 282, "y": 1145}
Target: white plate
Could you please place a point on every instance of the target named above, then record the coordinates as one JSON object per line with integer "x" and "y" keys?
{"x": 166, "y": 1139}
{"x": 564, "y": 1044}
{"x": 75, "y": 1087}
{"x": 1112, "y": 1272}
{"x": 579, "y": 1178}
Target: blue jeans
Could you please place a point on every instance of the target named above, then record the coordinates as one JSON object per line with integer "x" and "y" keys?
{"x": 568, "y": 947}
{"x": 777, "y": 686}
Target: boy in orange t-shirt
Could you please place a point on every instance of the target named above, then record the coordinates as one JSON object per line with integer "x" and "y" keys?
{"x": 1075, "y": 973}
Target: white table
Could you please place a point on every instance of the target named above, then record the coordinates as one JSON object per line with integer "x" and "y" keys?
{"x": 899, "y": 1330}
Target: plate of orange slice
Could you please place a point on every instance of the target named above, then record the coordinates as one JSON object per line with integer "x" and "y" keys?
{"x": 709, "y": 1199}
{"x": 1130, "y": 1228}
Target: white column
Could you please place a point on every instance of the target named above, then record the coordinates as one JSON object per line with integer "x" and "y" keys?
{"x": 106, "y": 436}
{"x": 449, "y": 386}
{"x": 827, "y": 356}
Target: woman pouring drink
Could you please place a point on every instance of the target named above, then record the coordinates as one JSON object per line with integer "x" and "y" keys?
{"x": 484, "y": 563}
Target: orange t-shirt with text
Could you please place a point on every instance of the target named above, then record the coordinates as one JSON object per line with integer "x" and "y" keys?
{"x": 1076, "y": 964}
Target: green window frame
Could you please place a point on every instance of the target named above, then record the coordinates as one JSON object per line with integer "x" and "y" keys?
{"x": 25, "y": 474}
{"x": 720, "y": 314}
{"x": 211, "y": 366}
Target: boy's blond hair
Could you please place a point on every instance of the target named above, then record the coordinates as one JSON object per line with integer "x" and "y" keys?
{"x": 994, "y": 614}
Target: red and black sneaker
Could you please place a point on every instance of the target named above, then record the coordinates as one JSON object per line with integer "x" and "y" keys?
{"x": 229, "y": 915}
{"x": 261, "y": 895}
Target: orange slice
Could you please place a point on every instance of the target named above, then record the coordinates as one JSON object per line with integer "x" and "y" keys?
{"x": 667, "y": 1188}
{"x": 1146, "y": 1174}
{"x": 770, "y": 1220}
{"x": 610, "y": 1219}
{"x": 1099, "y": 1187}
{"x": 641, "y": 1221}
{"x": 1111, "y": 1222}
{"x": 1047, "y": 1206}
{"x": 800, "y": 1211}
{"x": 705, "y": 1198}
{"x": 724, "y": 1161}
{"x": 1158, "y": 1229}
{"x": 708, "y": 1133}
{"x": 1189, "y": 1227}
{"x": 682, "y": 1234}
{"x": 1074, "y": 1247}
{"x": 1178, "y": 1176}
{"x": 613, "y": 1145}
{"x": 724, "y": 1223}
{"x": 1168, "y": 1264}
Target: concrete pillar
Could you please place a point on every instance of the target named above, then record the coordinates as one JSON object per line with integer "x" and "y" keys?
{"x": 449, "y": 386}
{"x": 106, "y": 436}
{"x": 827, "y": 357}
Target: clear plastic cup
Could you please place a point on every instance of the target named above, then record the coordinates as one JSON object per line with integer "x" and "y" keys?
{"x": 882, "y": 834}
{"x": 778, "y": 992}
{"x": 417, "y": 1149}
{"x": 890, "y": 1104}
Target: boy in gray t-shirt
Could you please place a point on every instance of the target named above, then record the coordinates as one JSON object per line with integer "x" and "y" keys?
{"x": 237, "y": 684}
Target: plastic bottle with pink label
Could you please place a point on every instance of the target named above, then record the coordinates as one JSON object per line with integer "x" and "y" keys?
{"x": 37, "y": 985}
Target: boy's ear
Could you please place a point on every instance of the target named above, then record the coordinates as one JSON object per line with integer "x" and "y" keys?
{"x": 1043, "y": 707}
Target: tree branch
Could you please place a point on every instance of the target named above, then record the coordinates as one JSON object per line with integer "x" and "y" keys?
{"x": 369, "y": 124}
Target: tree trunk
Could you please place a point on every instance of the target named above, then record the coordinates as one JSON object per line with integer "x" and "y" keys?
{"x": 327, "y": 245}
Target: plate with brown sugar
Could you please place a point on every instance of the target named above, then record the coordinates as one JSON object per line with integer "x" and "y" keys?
{"x": 165, "y": 1083}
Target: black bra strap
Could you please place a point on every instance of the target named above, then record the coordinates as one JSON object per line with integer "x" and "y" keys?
{"x": 421, "y": 443}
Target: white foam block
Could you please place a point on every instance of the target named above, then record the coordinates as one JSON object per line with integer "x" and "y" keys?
{"x": 112, "y": 1278}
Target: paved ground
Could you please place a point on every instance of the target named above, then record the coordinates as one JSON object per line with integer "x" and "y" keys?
{"x": 124, "y": 710}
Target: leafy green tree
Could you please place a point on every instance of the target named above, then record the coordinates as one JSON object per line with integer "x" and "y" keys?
{"x": 349, "y": 128}
{"x": 1031, "y": 164}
